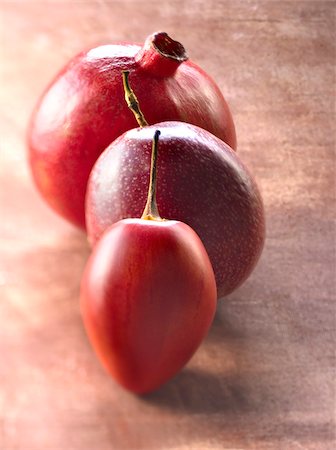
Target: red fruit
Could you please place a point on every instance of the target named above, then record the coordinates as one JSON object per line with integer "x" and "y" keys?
{"x": 201, "y": 182}
{"x": 148, "y": 296}
{"x": 83, "y": 111}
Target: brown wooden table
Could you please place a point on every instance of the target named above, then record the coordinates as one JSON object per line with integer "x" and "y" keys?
{"x": 264, "y": 377}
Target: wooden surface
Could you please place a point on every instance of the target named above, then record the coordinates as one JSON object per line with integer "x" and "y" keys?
{"x": 264, "y": 377}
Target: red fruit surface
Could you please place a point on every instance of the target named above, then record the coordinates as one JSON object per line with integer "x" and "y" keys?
{"x": 148, "y": 298}
{"x": 200, "y": 181}
{"x": 83, "y": 111}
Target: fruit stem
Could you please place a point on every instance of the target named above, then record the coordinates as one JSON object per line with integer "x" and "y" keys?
{"x": 132, "y": 101}
{"x": 151, "y": 210}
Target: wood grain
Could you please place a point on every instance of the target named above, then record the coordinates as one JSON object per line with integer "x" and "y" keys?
{"x": 265, "y": 376}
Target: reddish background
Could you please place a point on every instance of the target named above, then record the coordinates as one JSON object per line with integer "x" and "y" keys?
{"x": 264, "y": 377}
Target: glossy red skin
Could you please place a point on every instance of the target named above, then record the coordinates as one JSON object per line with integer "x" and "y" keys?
{"x": 200, "y": 181}
{"x": 148, "y": 298}
{"x": 83, "y": 111}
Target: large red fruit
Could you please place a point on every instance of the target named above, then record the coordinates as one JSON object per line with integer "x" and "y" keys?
{"x": 83, "y": 111}
{"x": 201, "y": 182}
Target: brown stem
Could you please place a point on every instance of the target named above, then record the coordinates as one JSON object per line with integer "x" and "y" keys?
{"x": 151, "y": 210}
{"x": 132, "y": 101}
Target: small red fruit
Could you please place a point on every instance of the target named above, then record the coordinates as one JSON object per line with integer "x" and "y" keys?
{"x": 83, "y": 111}
{"x": 148, "y": 297}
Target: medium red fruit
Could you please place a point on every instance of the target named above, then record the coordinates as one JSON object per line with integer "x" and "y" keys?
{"x": 83, "y": 111}
{"x": 202, "y": 183}
{"x": 148, "y": 297}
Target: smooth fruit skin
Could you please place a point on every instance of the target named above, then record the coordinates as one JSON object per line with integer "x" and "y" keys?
{"x": 83, "y": 111}
{"x": 148, "y": 298}
{"x": 200, "y": 181}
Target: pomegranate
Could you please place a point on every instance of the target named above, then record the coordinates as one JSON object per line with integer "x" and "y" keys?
{"x": 83, "y": 111}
